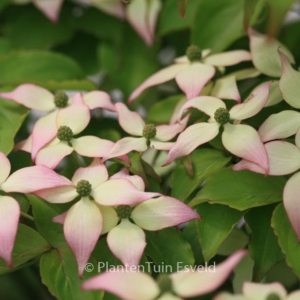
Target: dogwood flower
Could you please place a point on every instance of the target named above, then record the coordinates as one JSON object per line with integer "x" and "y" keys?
{"x": 38, "y": 98}
{"x": 150, "y": 135}
{"x": 239, "y": 139}
{"x": 26, "y": 180}
{"x": 256, "y": 291}
{"x": 69, "y": 122}
{"x": 182, "y": 284}
{"x": 83, "y": 222}
{"x": 193, "y": 71}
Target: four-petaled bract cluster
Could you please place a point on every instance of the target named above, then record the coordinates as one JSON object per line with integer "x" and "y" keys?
{"x": 116, "y": 203}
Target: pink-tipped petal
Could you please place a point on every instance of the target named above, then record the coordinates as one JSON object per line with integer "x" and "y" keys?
{"x": 98, "y": 99}
{"x": 31, "y": 179}
{"x": 127, "y": 242}
{"x": 82, "y": 228}
{"x": 161, "y": 145}
{"x": 4, "y": 167}
{"x": 127, "y": 145}
{"x": 124, "y": 285}
{"x": 275, "y": 96}
{"x": 167, "y": 132}
{"x": 96, "y": 173}
{"x": 227, "y": 296}
{"x": 291, "y": 202}
{"x": 9, "y": 220}
{"x": 60, "y": 219}
{"x": 155, "y": 7}
{"x": 130, "y": 121}
{"x": 25, "y": 145}
{"x": 280, "y": 126}
{"x": 92, "y": 146}
{"x": 111, "y": 193}
{"x": 31, "y": 96}
{"x": 254, "y": 104}
{"x": 244, "y": 141}
{"x": 177, "y": 109}
{"x": 191, "y": 138}
{"x": 294, "y": 296}
{"x": 207, "y": 104}
{"x": 111, "y": 7}
{"x": 136, "y": 180}
{"x": 248, "y": 165}
{"x": 162, "y": 212}
{"x": 192, "y": 79}
{"x": 76, "y": 116}
{"x": 227, "y": 58}
{"x": 161, "y": 76}
{"x": 191, "y": 284}
{"x": 63, "y": 194}
{"x": 43, "y": 132}
{"x": 226, "y": 88}
{"x": 50, "y": 8}
{"x": 289, "y": 82}
{"x": 168, "y": 296}
{"x": 51, "y": 156}
{"x": 264, "y": 50}
{"x": 110, "y": 217}
{"x": 259, "y": 291}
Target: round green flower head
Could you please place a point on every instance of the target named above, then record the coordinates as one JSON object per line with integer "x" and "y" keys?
{"x": 273, "y": 297}
{"x": 149, "y": 131}
{"x": 194, "y": 53}
{"x": 164, "y": 283}
{"x": 124, "y": 211}
{"x": 61, "y": 99}
{"x": 83, "y": 188}
{"x": 65, "y": 133}
{"x": 222, "y": 115}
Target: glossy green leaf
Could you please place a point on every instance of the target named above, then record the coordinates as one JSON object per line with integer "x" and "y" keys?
{"x": 264, "y": 247}
{"x": 287, "y": 238}
{"x": 12, "y": 116}
{"x": 222, "y": 21}
{"x": 43, "y": 213}
{"x": 31, "y": 66}
{"x": 243, "y": 272}
{"x": 217, "y": 222}
{"x": 205, "y": 163}
{"x": 169, "y": 19}
{"x": 167, "y": 247}
{"x": 28, "y": 245}
{"x": 241, "y": 190}
{"x": 59, "y": 273}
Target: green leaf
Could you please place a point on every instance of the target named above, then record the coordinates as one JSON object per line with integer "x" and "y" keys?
{"x": 30, "y": 66}
{"x": 59, "y": 273}
{"x": 287, "y": 238}
{"x": 182, "y": 5}
{"x": 43, "y": 213}
{"x": 217, "y": 222}
{"x": 162, "y": 111}
{"x": 241, "y": 190}
{"x": 169, "y": 20}
{"x": 263, "y": 248}
{"x": 12, "y": 116}
{"x": 237, "y": 239}
{"x": 28, "y": 245}
{"x": 25, "y": 19}
{"x": 242, "y": 273}
{"x": 221, "y": 18}
{"x": 205, "y": 163}
{"x": 168, "y": 248}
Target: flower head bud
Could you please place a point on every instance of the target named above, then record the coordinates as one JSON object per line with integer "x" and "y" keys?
{"x": 165, "y": 283}
{"x": 83, "y": 188}
{"x": 273, "y": 297}
{"x": 61, "y": 99}
{"x": 65, "y": 133}
{"x": 124, "y": 211}
{"x": 222, "y": 115}
{"x": 194, "y": 53}
{"x": 149, "y": 131}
